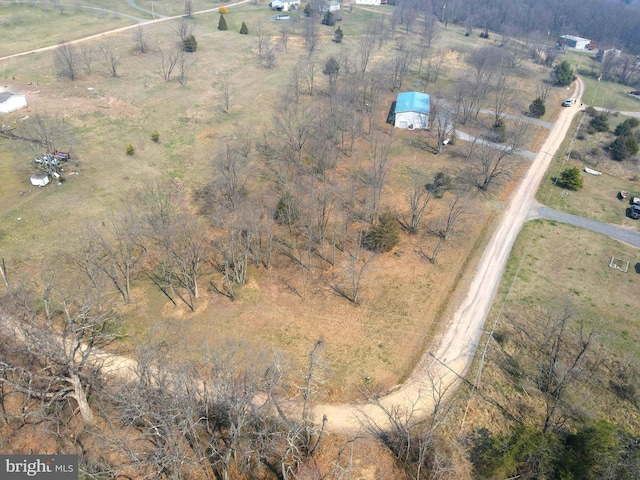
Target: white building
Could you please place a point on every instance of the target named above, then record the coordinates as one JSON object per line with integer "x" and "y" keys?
{"x": 284, "y": 5}
{"x": 329, "y": 6}
{"x": 368, "y": 2}
{"x": 10, "y": 102}
{"x": 412, "y": 110}
{"x": 39, "y": 179}
{"x": 572, "y": 41}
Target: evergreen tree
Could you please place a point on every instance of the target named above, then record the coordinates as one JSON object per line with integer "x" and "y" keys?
{"x": 623, "y": 147}
{"x": 222, "y": 23}
{"x": 563, "y": 74}
{"x": 600, "y": 123}
{"x": 329, "y": 19}
{"x": 337, "y": 35}
{"x": 189, "y": 44}
{"x": 571, "y": 178}
{"x": 627, "y": 126}
{"x": 537, "y": 108}
{"x": 384, "y": 235}
{"x": 308, "y": 10}
{"x": 243, "y": 29}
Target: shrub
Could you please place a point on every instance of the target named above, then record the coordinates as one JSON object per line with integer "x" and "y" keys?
{"x": 308, "y": 10}
{"x": 243, "y": 29}
{"x": 337, "y": 35}
{"x": 626, "y": 127}
{"x": 442, "y": 182}
{"x": 189, "y": 44}
{"x": 592, "y": 112}
{"x": 623, "y": 147}
{"x": 384, "y": 235}
{"x": 329, "y": 19}
{"x": 563, "y": 74}
{"x": 222, "y": 23}
{"x": 287, "y": 211}
{"x": 155, "y": 136}
{"x": 571, "y": 178}
{"x": 600, "y": 122}
{"x": 499, "y": 131}
{"x": 130, "y": 150}
{"x": 537, "y": 108}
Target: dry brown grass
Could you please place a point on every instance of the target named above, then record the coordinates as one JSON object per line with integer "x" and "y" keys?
{"x": 404, "y": 296}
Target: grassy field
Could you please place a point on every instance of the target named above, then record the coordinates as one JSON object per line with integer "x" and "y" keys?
{"x": 599, "y": 199}
{"x": 555, "y": 264}
{"x": 403, "y": 294}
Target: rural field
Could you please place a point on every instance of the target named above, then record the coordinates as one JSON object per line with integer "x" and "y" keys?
{"x": 251, "y": 181}
{"x": 380, "y": 338}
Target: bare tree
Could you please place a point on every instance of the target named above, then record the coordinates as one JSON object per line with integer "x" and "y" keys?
{"x": 412, "y": 438}
{"x": 367, "y": 44}
{"x": 188, "y": 8}
{"x": 87, "y": 55}
{"x": 168, "y": 61}
{"x": 111, "y": 61}
{"x": 67, "y": 61}
{"x": 184, "y": 29}
{"x": 311, "y": 34}
{"x": 430, "y": 29}
{"x": 140, "y": 40}
{"x": 296, "y": 123}
{"x": 444, "y": 226}
{"x": 376, "y": 174}
{"x": 60, "y": 349}
{"x": 121, "y": 251}
{"x": 284, "y": 35}
{"x": 224, "y": 86}
{"x": 178, "y": 265}
{"x": 348, "y": 284}
{"x": 442, "y": 122}
{"x": 184, "y": 66}
{"x": 47, "y": 133}
{"x": 503, "y": 98}
{"x": 418, "y": 197}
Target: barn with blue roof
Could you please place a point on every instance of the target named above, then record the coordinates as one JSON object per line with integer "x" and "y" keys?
{"x": 412, "y": 110}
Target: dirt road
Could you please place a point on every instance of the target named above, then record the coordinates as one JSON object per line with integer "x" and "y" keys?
{"x": 458, "y": 345}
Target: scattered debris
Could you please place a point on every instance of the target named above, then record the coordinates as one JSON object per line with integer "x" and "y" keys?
{"x": 592, "y": 172}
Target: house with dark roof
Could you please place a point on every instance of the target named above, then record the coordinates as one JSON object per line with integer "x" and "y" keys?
{"x": 412, "y": 110}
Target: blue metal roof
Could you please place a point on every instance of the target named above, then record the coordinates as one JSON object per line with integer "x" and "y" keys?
{"x": 413, "y": 102}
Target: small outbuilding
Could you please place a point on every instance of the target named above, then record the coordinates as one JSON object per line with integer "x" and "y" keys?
{"x": 39, "y": 179}
{"x": 10, "y": 102}
{"x": 329, "y": 6}
{"x": 412, "y": 110}
{"x": 572, "y": 41}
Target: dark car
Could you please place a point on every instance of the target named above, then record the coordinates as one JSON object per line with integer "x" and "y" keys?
{"x": 635, "y": 212}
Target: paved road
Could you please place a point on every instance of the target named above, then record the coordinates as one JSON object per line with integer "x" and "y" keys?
{"x": 535, "y": 121}
{"x": 470, "y": 138}
{"x": 619, "y": 233}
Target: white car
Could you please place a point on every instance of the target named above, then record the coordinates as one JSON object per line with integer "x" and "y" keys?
{"x": 568, "y": 102}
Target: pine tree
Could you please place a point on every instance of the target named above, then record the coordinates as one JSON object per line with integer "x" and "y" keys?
{"x": 337, "y": 36}
{"x": 537, "y": 108}
{"x": 385, "y": 235}
{"x": 563, "y": 74}
{"x": 189, "y": 44}
{"x": 571, "y": 178}
{"x": 243, "y": 29}
{"x": 222, "y": 23}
